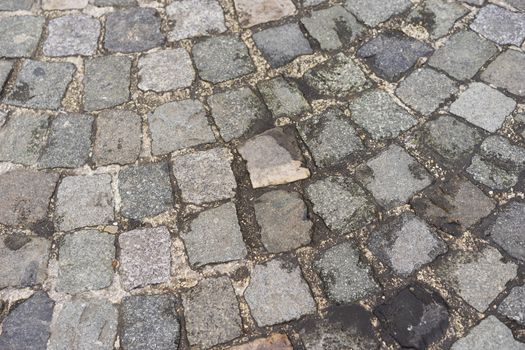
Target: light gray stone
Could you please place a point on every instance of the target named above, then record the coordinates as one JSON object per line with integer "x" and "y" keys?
{"x": 155, "y": 67}
{"x": 120, "y": 3}
{"x": 505, "y": 72}
{"x": 5, "y": 70}
{"x": 50, "y": 5}
{"x": 438, "y": 16}
{"x": 507, "y": 230}
{"x": 373, "y": 12}
{"x": 19, "y": 35}
{"x": 490, "y": 174}
{"x": 518, "y": 4}
{"x": 490, "y": 334}
{"x": 72, "y": 35}
{"x": 193, "y": 18}
{"x": 513, "y": 306}
{"x": 500, "y": 25}
{"x": 282, "y": 98}
{"x": 15, "y": 5}
{"x": 253, "y": 12}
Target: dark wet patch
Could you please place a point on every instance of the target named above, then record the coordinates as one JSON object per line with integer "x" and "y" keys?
{"x": 16, "y": 241}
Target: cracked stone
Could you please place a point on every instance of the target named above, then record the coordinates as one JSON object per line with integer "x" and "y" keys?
{"x": 15, "y": 5}
{"x": 195, "y": 18}
{"x": 72, "y": 35}
{"x": 5, "y": 70}
{"x": 373, "y": 12}
{"x": 156, "y": 66}
{"x": 19, "y": 35}
{"x": 276, "y": 341}
{"x": 253, "y": 12}
{"x": 490, "y": 334}
{"x": 437, "y": 16}
{"x": 507, "y": 230}
{"x": 500, "y": 25}
{"x": 282, "y": 98}
{"x": 504, "y": 72}
{"x": 513, "y": 306}
{"x": 50, "y": 5}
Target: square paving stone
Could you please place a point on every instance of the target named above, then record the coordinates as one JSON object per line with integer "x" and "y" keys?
{"x": 463, "y": 55}
{"x": 222, "y": 58}
{"x": 282, "y": 98}
{"x": 214, "y": 237}
{"x": 23, "y": 260}
{"x": 283, "y": 219}
{"x": 72, "y": 35}
{"x": 50, "y": 5}
{"x": 273, "y": 158}
{"x": 205, "y": 176}
{"x": 505, "y": 72}
{"x": 507, "y": 230}
{"x": 414, "y": 317}
{"x": 236, "y": 112}
{"x": 253, "y": 12}
{"x": 156, "y": 66}
{"x": 118, "y": 138}
{"x": 133, "y": 30}
{"x": 193, "y": 18}
{"x": 19, "y": 35}
{"x": 281, "y": 45}
{"x": 23, "y": 137}
{"x": 40, "y": 84}
{"x": 82, "y": 322}
{"x": 25, "y": 196}
{"x": 500, "y": 25}
{"x": 389, "y": 243}
{"x": 5, "y": 70}
{"x": 483, "y": 106}
{"x": 330, "y": 137}
{"x": 145, "y": 190}
{"x": 15, "y": 5}
{"x": 145, "y": 257}
{"x": 378, "y": 113}
{"x": 490, "y": 334}
{"x": 437, "y": 16}
{"x": 212, "y": 313}
{"x": 373, "y": 12}
{"x": 85, "y": 261}
{"x": 393, "y": 176}
{"x": 453, "y": 205}
{"x": 84, "y": 201}
{"x": 513, "y": 306}
{"x": 333, "y": 27}
{"x": 345, "y": 278}
{"x": 278, "y": 293}
{"x": 341, "y": 203}
{"x": 149, "y": 322}
{"x": 178, "y": 125}
{"x": 392, "y": 54}
{"x": 68, "y": 142}
{"x": 425, "y": 90}
{"x": 106, "y": 82}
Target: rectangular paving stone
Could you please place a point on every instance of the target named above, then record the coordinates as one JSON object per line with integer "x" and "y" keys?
{"x": 254, "y": 12}
{"x": 63, "y": 4}
{"x": 282, "y": 98}
{"x": 505, "y": 72}
{"x": 491, "y": 333}
{"x": 156, "y": 66}
{"x": 193, "y": 18}
{"x": 441, "y": 16}
{"x": 507, "y": 230}
{"x": 19, "y": 35}
{"x": 500, "y": 25}
{"x": 373, "y": 12}
{"x": 513, "y": 306}
{"x": 72, "y": 35}
{"x": 15, "y": 5}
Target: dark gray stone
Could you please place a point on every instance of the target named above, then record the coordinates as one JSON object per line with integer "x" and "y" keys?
{"x": 72, "y": 35}
{"x": 193, "y": 18}
{"x": 373, "y": 12}
{"x": 500, "y": 25}
{"x": 504, "y": 72}
{"x": 282, "y": 98}
{"x": 437, "y": 16}
{"x": 19, "y": 35}
{"x": 507, "y": 230}
{"x": 490, "y": 334}
{"x": 513, "y": 306}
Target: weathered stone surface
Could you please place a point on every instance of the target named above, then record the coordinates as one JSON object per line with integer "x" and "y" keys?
{"x": 282, "y": 98}
{"x": 177, "y": 125}
{"x": 23, "y": 260}
{"x": 276, "y": 341}
{"x": 72, "y": 35}
{"x": 133, "y": 30}
{"x": 283, "y": 219}
{"x": 145, "y": 190}
{"x": 277, "y": 293}
{"x": 85, "y": 325}
{"x": 40, "y": 84}
{"x": 345, "y": 278}
{"x": 149, "y": 322}
{"x": 19, "y": 35}
{"x": 63, "y": 4}
{"x": 518, "y": 4}
{"x": 211, "y": 312}
{"x": 505, "y": 72}
{"x": 106, "y": 82}
{"x": 341, "y": 203}
{"x": 122, "y": 3}
{"x": 253, "y": 12}
{"x": 437, "y": 16}
{"x": 513, "y": 306}
{"x": 15, "y": 5}
{"x": 193, "y": 18}
{"x": 214, "y": 237}
{"x": 507, "y": 230}
{"x": 156, "y": 66}
{"x": 273, "y": 158}
{"x": 378, "y": 113}
{"x": 500, "y": 25}
{"x": 25, "y": 196}
{"x": 145, "y": 257}
{"x": 205, "y": 176}
{"x": 393, "y": 176}
{"x": 391, "y": 54}
{"x": 85, "y": 261}
{"x": 490, "y": 334}
{"x": 5, "y": 70}
{"x": 373, "y": 12}
{"x": 222, "y": 58}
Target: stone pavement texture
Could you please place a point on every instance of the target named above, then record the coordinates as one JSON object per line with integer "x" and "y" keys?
{"x": 262, "y": 174}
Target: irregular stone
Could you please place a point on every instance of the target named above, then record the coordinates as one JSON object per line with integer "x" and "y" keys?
{"x": 19, "y": 35}
{"x": 156, "y": 66}
{"x": 68, "y": 143}
{"x": 283, "y": 219}
{"x": 84, "y": 201}
{"x": 276, "y": 341}
{"x": 178, "y": 125}
{"x": 72, "y": 35}
{"x": 145, "y": 257}
{"x": 222, "y": 58}
{"x": 253, "y": 12}
{"x": 500, "y": 25}
{"x": 513, "y": 306}
{"x": 195, "y": 18}
{"x": 490, "y": 334}
{"x": 507, "y": 230}
{"x": 333, "y": 27}
{"x": 345, "y": 278}
{"x": 84, "y": 325}
{"x": 149, "y": 322}
{"x": 15, "y": 5}
{"x": 378, "y": 113}
{"x": 341, "y": 203}
{"x": 437, "y": 16}
{"x": 214, "y": 237}
{"x": 106, "y": 82}
{"x": 273, "y": 158}
{"x": 282, "y": 98}
{"x": 504, "y": 72}
{"x": 414, "y": 317}
{"x": 205, "y": 176}
{"x": 373, "y": 12}
{"x": 50, "y": 5}
{"x": 40, "y": 85}
{"x": 118, "y": 137}
{"x": 145, "y": 190}
{"x": 211, "y": 312}
{"x": 133, "y": 30}
{"x": 5, "y": 70}
{"x": 391, "y": 54}
{"x": 277, "y": 293}
{"x": 25, "y": 196}
{"x": 23, "y": 260}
